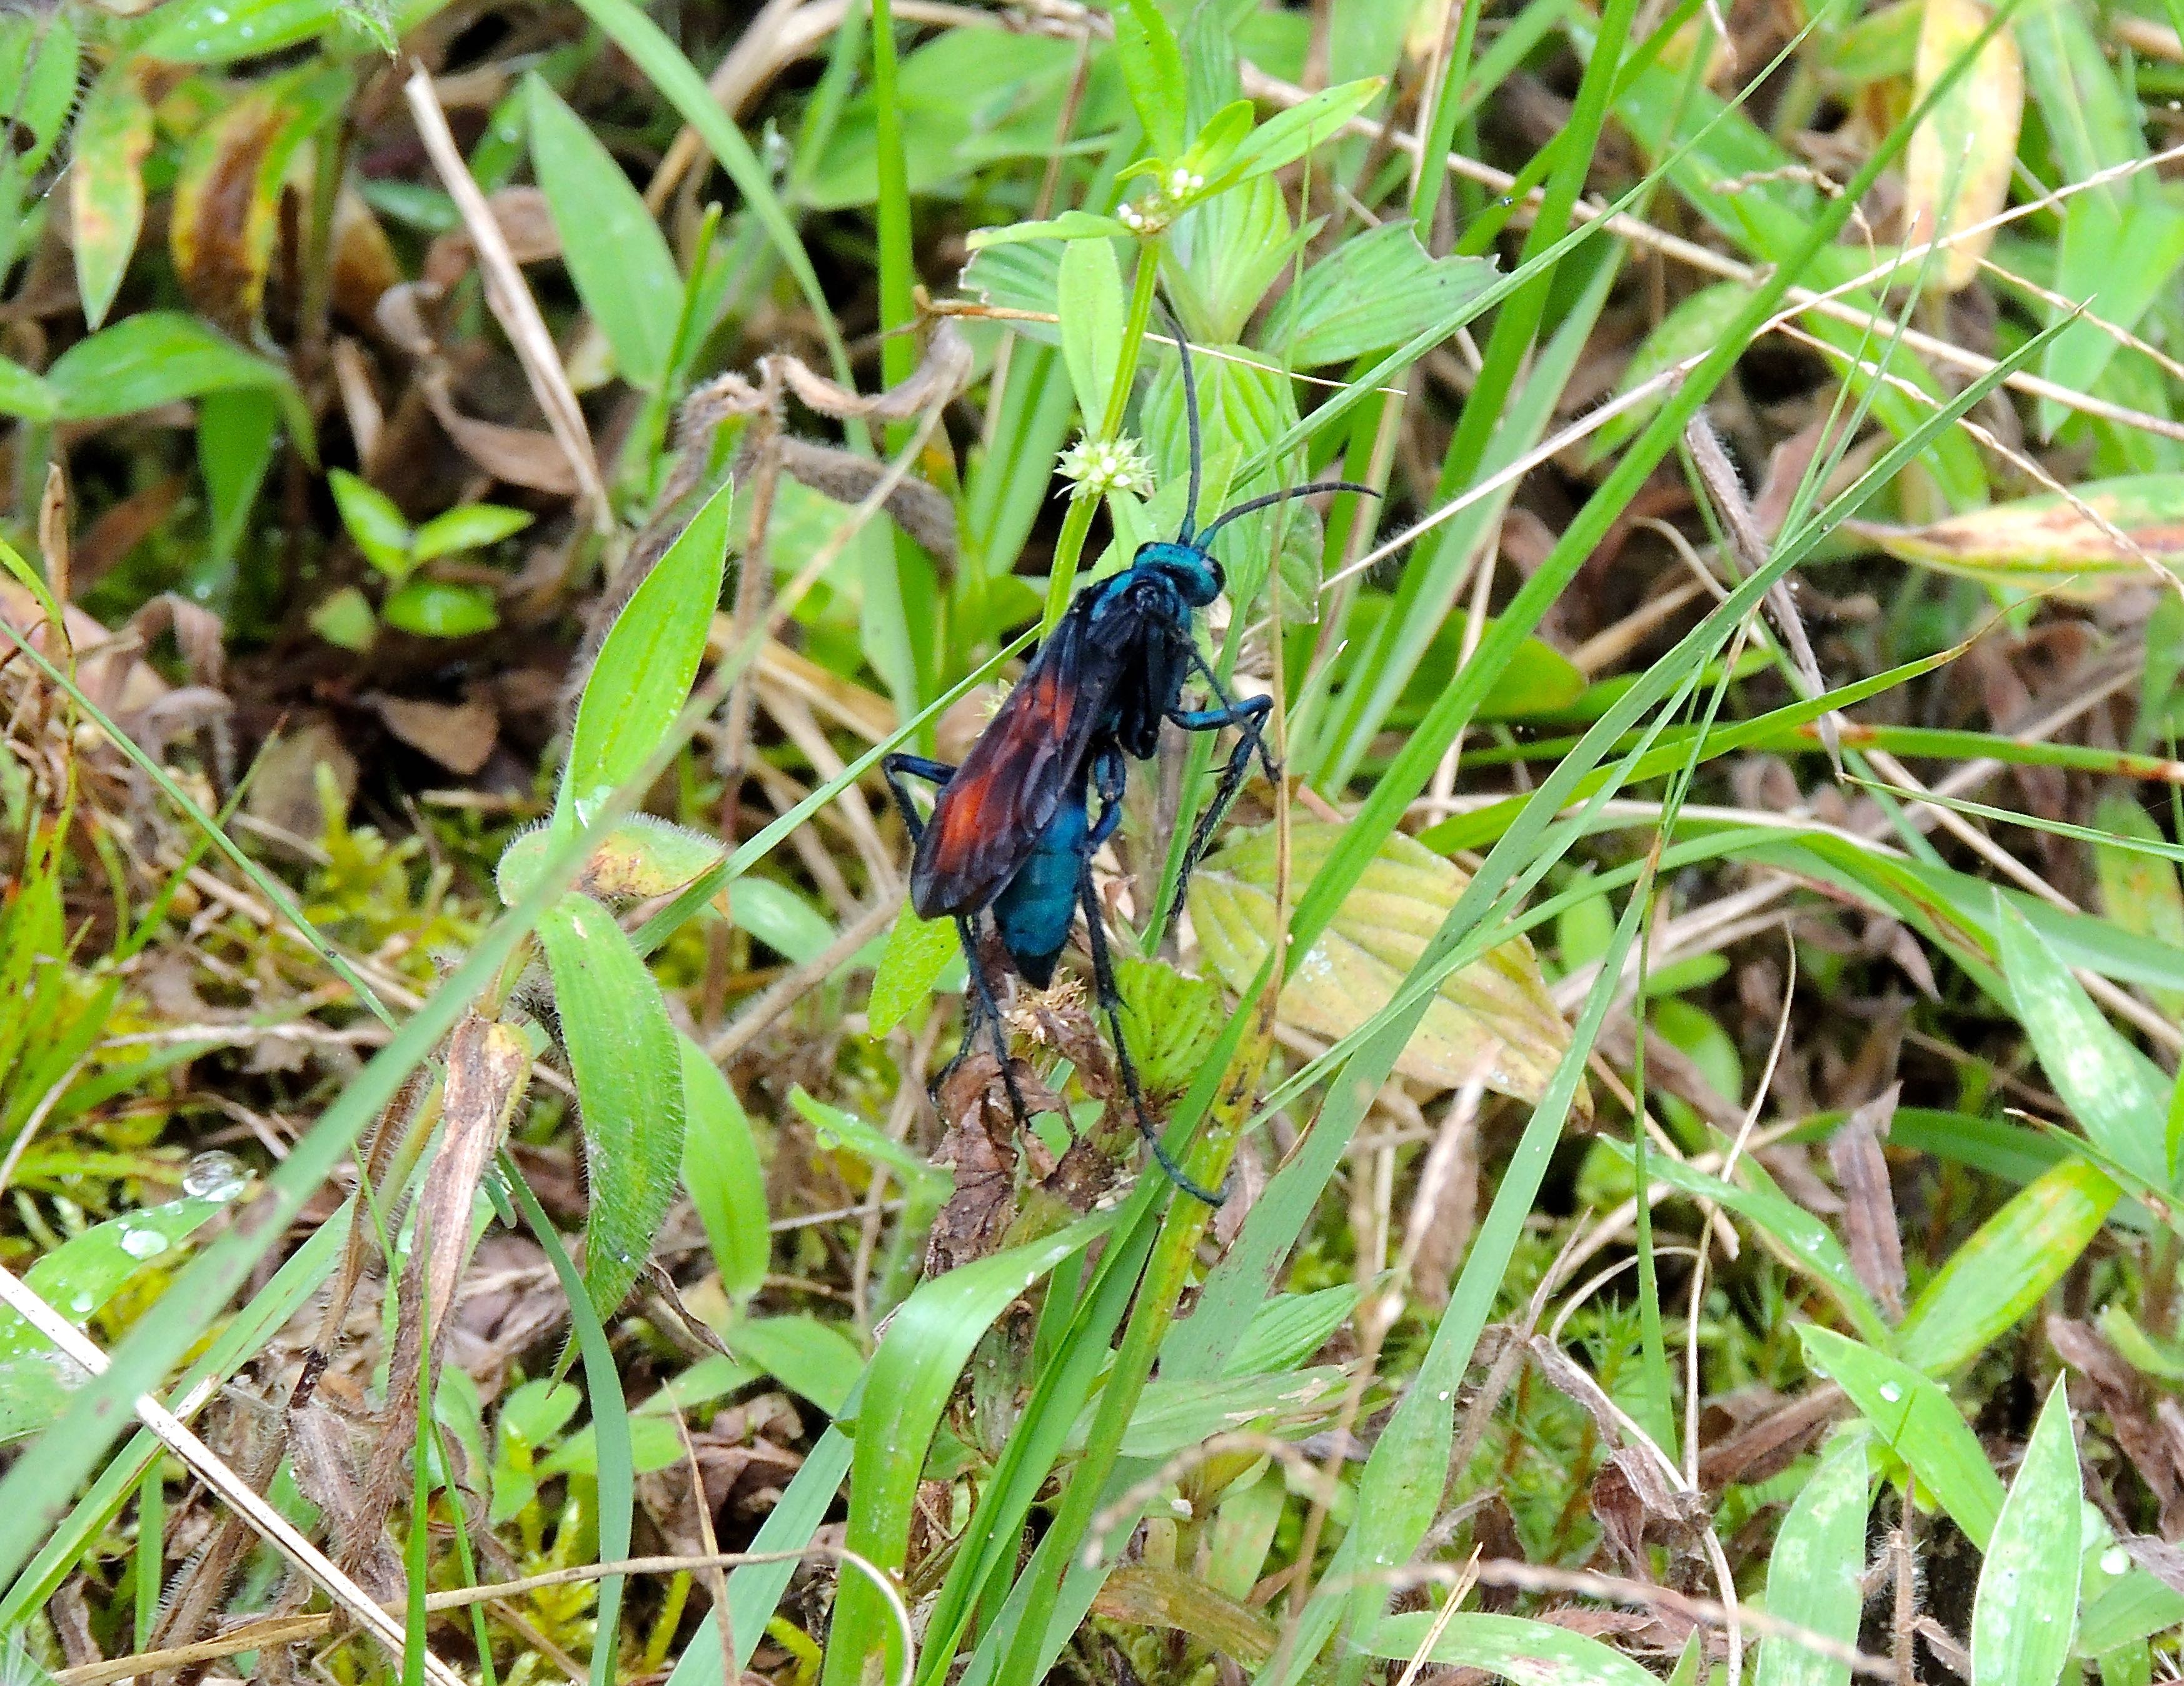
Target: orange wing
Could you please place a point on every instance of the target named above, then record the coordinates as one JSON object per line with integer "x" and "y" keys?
{"x": 989, "y": 815}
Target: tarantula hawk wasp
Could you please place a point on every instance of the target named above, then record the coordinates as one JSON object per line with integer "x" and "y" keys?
{"x": 1013, "y": 833}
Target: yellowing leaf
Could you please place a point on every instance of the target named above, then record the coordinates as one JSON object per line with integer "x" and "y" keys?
{"x": 106, "y": 190}
{"x": 1961, "y": 155}
{"x": 1493, "y": 1019}
{"x": 2052, "y": 542}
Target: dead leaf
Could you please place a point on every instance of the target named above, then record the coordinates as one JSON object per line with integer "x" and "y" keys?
{"x": 1493, "y": 1021}
{"x": 1961, "y": 157}
{"x": 365, "y": 266}
{"x": 1870, "y": 1221}
{"x": 460, "y": 736}
{"x": 283, "y": 789}
{"x": 519, "y": 456}
{"x": 2049, "y": 542}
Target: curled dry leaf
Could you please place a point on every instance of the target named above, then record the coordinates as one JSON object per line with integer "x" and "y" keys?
{"x": 2066, "y": 545}
{"x": 1493, "y": 1021}
{"x": 1961, "y": 156}
{"x": 459, "y": 736}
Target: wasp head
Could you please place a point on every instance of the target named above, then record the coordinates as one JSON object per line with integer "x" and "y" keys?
{"x": 1196, "y": 575}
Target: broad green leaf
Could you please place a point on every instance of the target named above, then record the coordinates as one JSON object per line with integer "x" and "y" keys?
{"x": 1375, "y": 290}
{"x": 1171, "y": 1022}
{"x": 1152, "y": 65}
{"x": 1222, "y": 255}
{"x": 2026, "y": 1607}
{"x": 1069, "y": 225}
{"x": 654, "y": 1446}
{"x": 1916, "y": 1419}
{"x": 77, "y": 1279}
{"x": 840, "y": 1130}
{"x": 2119, "y": 1096}
{"x": 374, "y": 524}
{"x": 1288, "y": 136}
{"x": 614, "y": 251}
{"x": 1961, "y": 156}
{"x": 39, "y": 57}
{"x": 1814, "y": 1570}
{"x": 2115, "y": 258}
{"x": 1089, "y": 297}
{"x": 1289, "y": 1328}
{"x": 1803, "y": 1238}
{"x": 918, "y": 951}
{"x": 814, "y": 1359}
{"x": 1171, "y": 1415}
{"x": 628, "y": 1068}
{"x": 106, "y": 188}
{"x": 1529, "y": 1653}
{"x": 779, "y": 918}
{"x": 642, "y": 858}
{"x": 155, "y": 358}
{"x": 2048, "y": 543}
{"x": 2139, "y": 891}
{"x": 647, "y": 663}
{"x": 237, "y": 433}
{"x": 345, "y": 620}
{"x": 435, "y": 609}
{"x": 471, "y": 527}
{"x": 2089, "y": 124}
{"x": 1493, "y": 1021}
{"x": 214, "y": 31}
{"x": 722, "y": 1170}
{"x": 2006, "y": 1266}
{"x": 27, "y": 395}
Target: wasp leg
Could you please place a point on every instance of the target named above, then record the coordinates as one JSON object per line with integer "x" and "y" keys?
{"x": 984, "y": 1010}
{"x": 1249, "y": 717}
{"x": 1110, "y": 997}
{"x": 896, "y": 768}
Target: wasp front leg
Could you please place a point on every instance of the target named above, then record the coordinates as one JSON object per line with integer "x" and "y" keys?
{"x": 1249, "y": 717}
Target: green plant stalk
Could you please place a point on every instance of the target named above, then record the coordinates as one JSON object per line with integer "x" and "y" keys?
{"x": 897, "y": 352}
{"x": 1168, "y": 1273}
{"x": 1144, "y": 286}
{"x": 1517, "y": 323}
{"x": 1433, "y": 175}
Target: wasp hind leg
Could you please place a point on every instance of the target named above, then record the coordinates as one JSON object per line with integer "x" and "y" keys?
{"x": 896, "y": 768}
{"x": 1110, "y": 998}
{"x": 983, "y": 1012}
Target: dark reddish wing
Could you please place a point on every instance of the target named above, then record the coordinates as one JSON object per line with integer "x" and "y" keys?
{"x": 989, "y": 816}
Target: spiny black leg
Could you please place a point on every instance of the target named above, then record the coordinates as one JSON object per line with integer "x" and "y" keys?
{"x": 988, "y": 1010}
{"x": 895, "y": 768}
{"x": 1261, "y": 706}
{"x": 1110, "y": 998}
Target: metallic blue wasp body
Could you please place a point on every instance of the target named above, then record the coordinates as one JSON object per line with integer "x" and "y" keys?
{"x": 1013, "y": 831}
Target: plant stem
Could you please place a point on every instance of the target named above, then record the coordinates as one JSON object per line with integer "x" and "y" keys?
{"x": 1063, "y": 581}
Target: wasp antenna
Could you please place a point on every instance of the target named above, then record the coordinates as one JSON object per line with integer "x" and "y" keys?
{"x": 1189, "y": 420}
{"x": 1256, "y": 504}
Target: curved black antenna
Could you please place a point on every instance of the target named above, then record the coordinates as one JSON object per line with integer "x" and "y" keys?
{"x": 1256, "y": 504}
{"x": 1190, "y": 421}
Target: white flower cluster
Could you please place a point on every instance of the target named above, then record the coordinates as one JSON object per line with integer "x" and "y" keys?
{"x": 1153, "y": 213}
{"x": 1096, "y": 467}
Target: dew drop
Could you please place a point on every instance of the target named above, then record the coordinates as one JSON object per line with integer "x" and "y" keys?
{"x": 1891, "y": 1392}
{"x": 215, "y": 1176}
{"x": 144, "y": 1244}
{"x": 2115, "y": 1560}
